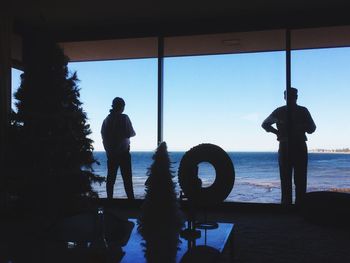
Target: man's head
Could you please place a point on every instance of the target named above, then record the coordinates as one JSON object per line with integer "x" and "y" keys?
{"x": 118, "y": 104}
{"x": 291, "y": 94}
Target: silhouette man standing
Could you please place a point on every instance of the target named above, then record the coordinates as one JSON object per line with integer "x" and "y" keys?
{"x": 116, "y": 131}
{"x": 291, "y": 123}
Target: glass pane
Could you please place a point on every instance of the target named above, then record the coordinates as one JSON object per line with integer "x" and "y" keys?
{"x": 15, "y": 83}
{"x": 136, "y": 82}
{"x": 322, "y": 78}
{"x": 223, "y": 100}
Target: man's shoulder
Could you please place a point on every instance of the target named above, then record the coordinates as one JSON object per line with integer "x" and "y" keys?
{"x": 280, "y": 110}
{"x": 284, "y": 107}
{"x": 106, "y": 118}
{"x": 116, "y": 116}
{"x": 302, "y": 108}
{"x": 125, "y": 116}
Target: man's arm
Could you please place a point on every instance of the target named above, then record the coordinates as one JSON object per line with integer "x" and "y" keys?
{"x": 103, "y": 129}
{"x": 310, "y": 125}
{"x": 268, "y": 122}
{"x": 129, "y": 129}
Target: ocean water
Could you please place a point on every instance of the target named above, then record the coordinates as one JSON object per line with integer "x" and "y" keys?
{"x": 257, "y": 174}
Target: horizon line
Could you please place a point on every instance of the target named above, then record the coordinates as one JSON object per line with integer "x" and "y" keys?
{"x": 188, "y": 150}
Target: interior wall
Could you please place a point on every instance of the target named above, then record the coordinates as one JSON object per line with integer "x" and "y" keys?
{"x": 111, "y": 49}
{"x": 5, "y": 90}
{"x": 206, "y": 44}
{"x": 16, "y": 51}
{"x": 324, "y": 37}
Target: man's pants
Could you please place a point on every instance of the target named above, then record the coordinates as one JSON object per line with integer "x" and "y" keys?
{"x": 122, "y": 160}
{"x": 295, "y": 159}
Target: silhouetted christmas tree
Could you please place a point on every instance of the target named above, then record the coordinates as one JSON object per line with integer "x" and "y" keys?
{"x": 161, "y": 219}
{"x": 54, "y": 152}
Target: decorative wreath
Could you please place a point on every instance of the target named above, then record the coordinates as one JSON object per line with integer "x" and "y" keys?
{"x": 191, "y": 184}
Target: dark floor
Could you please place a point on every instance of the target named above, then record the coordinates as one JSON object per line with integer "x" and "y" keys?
{"x": 283, "y": 237}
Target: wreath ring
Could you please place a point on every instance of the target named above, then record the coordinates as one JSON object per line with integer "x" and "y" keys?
{"x": 191, "y": 184}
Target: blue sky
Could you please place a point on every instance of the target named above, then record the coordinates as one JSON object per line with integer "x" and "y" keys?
{"x": 220, "y": 99}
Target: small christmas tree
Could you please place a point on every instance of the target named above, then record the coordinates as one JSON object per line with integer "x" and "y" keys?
{"x": 55, "y": 154}
{"x": 161, "y": 219}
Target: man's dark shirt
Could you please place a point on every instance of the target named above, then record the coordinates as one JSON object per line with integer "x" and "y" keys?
{"x": 301, "y": 122}
{"x": 116, "y": 131}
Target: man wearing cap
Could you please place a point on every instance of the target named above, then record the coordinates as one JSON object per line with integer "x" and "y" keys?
{"x": 116, "y": 131}
{"x": 292, "y": 153}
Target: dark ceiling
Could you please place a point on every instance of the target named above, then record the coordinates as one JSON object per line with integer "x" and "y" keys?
{"x": 69, "y": 20}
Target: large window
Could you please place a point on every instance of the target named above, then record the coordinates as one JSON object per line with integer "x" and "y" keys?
{"x": 134, "y": 80}
{"x": 322, "y": 77}
{"x": 218, "y": 89}
{"x": 223, "y": 100}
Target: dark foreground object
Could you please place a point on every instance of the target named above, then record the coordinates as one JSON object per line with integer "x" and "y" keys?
{"x": 327, "y": 208}
{"x": 92, "y": 236}
{"x": 217, "y": 241}
{"x": 190, "y": 183}
{"x": 263, "y": 233}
